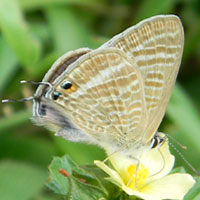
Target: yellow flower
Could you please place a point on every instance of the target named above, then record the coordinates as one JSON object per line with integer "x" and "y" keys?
{"x": 148, "y": 177}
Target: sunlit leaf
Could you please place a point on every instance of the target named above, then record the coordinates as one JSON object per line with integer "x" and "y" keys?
{"x": 16, "y": 32}
{"x": 71, "y": 186}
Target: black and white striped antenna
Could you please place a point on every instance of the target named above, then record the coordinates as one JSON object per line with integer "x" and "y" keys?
{"x": 28, "y": 98}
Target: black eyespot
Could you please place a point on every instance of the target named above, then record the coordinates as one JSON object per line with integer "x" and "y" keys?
{"x": 56, "y": 95}
{"x": 155, "y": 142}
{"x": 66, "y": 85}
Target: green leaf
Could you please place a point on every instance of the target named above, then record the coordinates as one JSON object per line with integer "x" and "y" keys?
{"x": 71, "y": 186}
{"x": 8, "y": 64}
{"x": 57, "y": 182}
{"x": 153, "y": 7}
{"x": 184, "y": 115}
{"x": 106, "y": 186}
{"x": 178, "y": 170}
{"x": 80, "y": 190}
{"x": 20, "y": 181}
{"x": 15, "y": 30}
{"x": 194, "y": 193}
{"x": 57, "y": 179}
{"x": 67, "y": 29}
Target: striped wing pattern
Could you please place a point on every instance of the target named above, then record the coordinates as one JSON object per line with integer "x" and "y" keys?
{"x": 156, "y": 45}
{"x": 108, "y": 101}
{"x": 120, "y": 90}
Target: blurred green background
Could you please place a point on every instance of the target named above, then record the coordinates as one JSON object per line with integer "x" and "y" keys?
{"x": 33, "y": 34}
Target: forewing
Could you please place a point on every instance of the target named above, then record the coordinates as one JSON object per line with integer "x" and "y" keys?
{"x": 156, "y": 45}
{"x": 107, "y": 100}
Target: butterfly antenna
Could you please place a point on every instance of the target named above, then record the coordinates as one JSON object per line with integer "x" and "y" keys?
{"x": 176, "y": 141}
{"x": 28, "y": 98}
{"x": 17, "y": 100}
{"x": 37, "y": 83}
{"x": 184, "y": 159}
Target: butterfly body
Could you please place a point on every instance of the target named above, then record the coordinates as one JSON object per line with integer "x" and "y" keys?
{"x": 114, "y": 96}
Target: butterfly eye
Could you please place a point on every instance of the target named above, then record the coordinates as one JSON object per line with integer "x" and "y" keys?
{"x": 66, "y": 85}
{"x": 156, "y": 141}
{"x": 56, "y": 95}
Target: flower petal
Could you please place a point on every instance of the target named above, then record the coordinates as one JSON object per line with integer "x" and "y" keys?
{"x": 139, "y": 194}
{"x": 113, "y": 174}
{"x": 159, "y": 161}
{"x": 120, "y": 160}
{"x": 173, "y": 186}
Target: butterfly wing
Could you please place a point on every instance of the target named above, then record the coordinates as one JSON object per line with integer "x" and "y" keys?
{"x": 156, "y": 45}
{"x": 107, "y": 100}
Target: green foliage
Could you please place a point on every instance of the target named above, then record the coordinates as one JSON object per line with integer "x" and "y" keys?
{"x": 33, "y": 34}
{"x": 8, "y": 59}
{"x": 194, "y": 193}
{"x": 24, "y": 44}
{"x": 185, "y": 116}
{"x": 89, "y": 182}
{"x": 26, "y": 180}
{"x": 154, "y": 7}
{"x": 79, "y": 183}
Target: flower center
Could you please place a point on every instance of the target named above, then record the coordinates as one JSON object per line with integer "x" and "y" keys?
{"x": 137, "y": 177}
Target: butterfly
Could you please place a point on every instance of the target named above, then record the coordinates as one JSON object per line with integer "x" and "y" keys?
{"x": 116, "y": 95}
